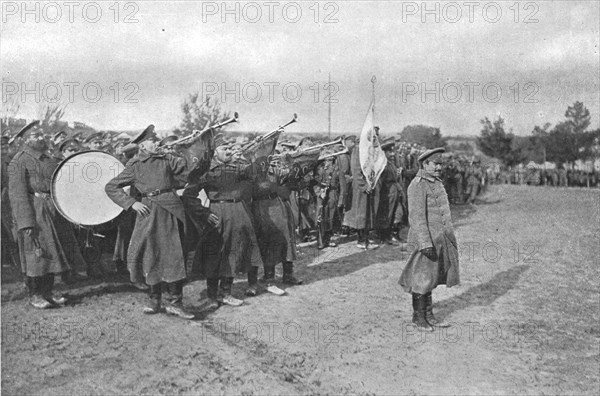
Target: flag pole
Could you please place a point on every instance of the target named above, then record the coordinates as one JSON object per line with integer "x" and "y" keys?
{"x": 373, "y": 81}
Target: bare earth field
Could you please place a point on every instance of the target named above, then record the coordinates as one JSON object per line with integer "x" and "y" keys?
{"x": 525, "y": 320}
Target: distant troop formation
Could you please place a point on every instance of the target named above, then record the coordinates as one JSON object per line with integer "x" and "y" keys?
{"x": 239, "y": 208}
{"x": 557, "y": 177}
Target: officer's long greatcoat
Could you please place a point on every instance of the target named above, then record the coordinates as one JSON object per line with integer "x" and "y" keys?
{"x": 157, "y": 240}
{"x": 231, "y": 247}
{"x": 430, "y": 226}
{"x": 30, "y": 178}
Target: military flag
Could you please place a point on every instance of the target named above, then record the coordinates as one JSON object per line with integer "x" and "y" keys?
{"x": 372, "y": 157}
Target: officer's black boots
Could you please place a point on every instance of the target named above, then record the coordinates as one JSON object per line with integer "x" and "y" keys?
{"x": 419, "y": 302}
{"x": 429, "y": 310}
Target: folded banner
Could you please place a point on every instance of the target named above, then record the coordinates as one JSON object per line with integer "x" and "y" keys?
{"x": 372, "y": 158}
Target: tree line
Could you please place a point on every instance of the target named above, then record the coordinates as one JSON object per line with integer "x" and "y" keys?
{"x": 568, "y": 141}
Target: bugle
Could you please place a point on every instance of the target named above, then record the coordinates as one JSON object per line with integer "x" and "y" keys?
{"x": 344, "y": 151}
{"x": 197, "y": 133}
{"x": 339, "y": 140}
{"x": 266, "y": 136}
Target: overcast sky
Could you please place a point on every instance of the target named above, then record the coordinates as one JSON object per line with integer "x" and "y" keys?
{"x": 543, "y": 56}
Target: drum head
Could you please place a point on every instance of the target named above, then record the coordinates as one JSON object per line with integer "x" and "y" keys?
{"x": 78, "y": 188}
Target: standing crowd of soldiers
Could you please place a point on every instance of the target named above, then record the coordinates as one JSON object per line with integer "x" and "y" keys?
{"x": 560, "y": 176}
{"x": 254, "y": 218}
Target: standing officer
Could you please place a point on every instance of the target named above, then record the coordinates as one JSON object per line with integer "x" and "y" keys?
{"x": 47, "y": 245}
{"x": 434, "y": 258}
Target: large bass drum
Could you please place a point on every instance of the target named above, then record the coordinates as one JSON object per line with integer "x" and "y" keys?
{"x": 78, "y": 188}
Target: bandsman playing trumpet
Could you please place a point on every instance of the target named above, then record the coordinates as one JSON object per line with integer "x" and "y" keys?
{"x": 157, "y": 240}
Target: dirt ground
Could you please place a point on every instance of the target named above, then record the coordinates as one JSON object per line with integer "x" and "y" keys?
{"x": 525, "y": 320}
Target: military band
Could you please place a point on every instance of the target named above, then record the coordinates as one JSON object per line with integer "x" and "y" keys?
{"x": 237, "y": 216}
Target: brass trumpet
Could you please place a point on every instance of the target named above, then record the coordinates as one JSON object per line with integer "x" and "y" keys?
{"x": 253, "y": 144}
{"x": 344, "y": 151}
{"x": 339, "y": 140}
{"x": 197, "y": 133}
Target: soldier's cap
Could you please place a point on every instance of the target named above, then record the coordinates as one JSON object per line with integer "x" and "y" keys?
{"x": 350, "y": 137}
{"x": 22, "y": 132}
{"x": 388, "y": 144}
{"x": 288, "y": 145}
{"x": 305, "y": 139}
{"x": 70, "y": 143}
{"x": 430, "y": 152}
{"x": 123, "y": 137}
{"x": 58, "y": 135}
{"x": 145, "y": 134}
{"x": 77, "y": 135}
{"x": 94, "y": 137}
{"x": 168, "y": 139}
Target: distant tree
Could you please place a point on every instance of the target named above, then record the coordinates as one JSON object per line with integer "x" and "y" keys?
{"x": 423, "y": 135}
{"x": 579, "y": 117}
{"x": 494, "y": 141}
{"x": 50, "y": 116}
{"x": 199, "y": 113}
{"x": 569, "y": 140}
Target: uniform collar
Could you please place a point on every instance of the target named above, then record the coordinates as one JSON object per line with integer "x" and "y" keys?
{"x": 427, "y": 176}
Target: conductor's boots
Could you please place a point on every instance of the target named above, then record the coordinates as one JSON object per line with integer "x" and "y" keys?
{"x": 429, "y": 313}
{"x": 419, "y": 302}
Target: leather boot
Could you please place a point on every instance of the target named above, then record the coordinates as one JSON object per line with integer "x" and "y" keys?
{"x": 419, "y": 303}
{"x": 174, "y": 303}
{"x": 252, "y": 289}
{"x": 429, "y": 313}
{"x": 154, "y": 305}
{"x": 288, "y": 274}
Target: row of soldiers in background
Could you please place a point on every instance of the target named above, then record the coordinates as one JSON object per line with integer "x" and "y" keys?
{"x": 559, "y": 177}
{"x": 332, "y": 199}
{"x": 463, "y": 178}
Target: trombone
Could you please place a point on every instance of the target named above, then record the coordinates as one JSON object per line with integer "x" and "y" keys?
{"x": 253, "y": 144}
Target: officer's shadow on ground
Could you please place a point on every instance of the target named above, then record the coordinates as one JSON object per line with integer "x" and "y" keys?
{"x": 481, "y": 295}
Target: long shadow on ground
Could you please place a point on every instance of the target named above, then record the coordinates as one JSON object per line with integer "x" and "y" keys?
{"x": 484, "y": 294}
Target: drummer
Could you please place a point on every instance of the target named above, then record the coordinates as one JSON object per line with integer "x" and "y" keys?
{"x": 46, "y": 242}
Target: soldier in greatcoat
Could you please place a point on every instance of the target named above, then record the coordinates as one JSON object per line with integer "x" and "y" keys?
{"x": 158, "y": 235}
{"x": 434, "y": 257}
{"x": 230, "y": 246}
{"x": 361, "y": 214}
{"x": 275, "y": 231}
{"x": 326, "y": 186}
{"x": 388, "y": 195}
{"x": 47, "y": 245}
{"x": 345, "y": 176}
